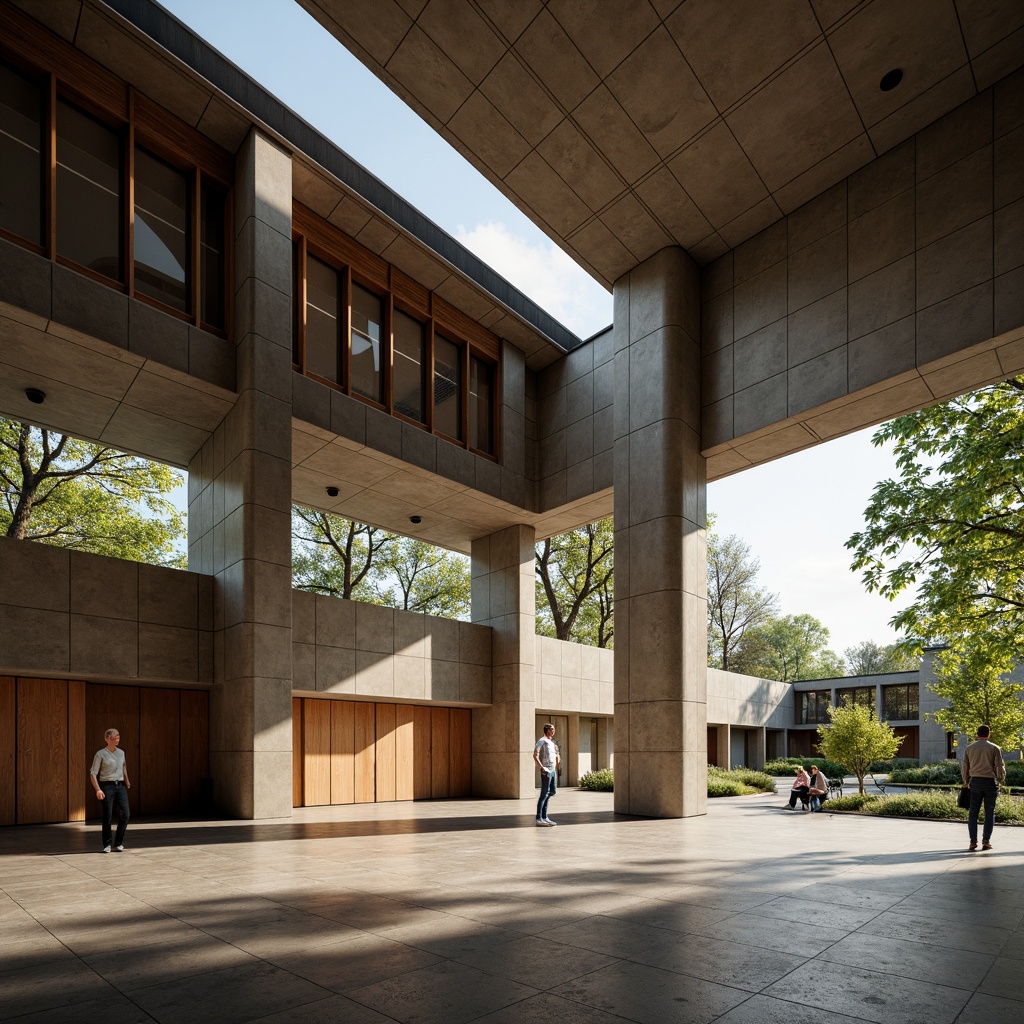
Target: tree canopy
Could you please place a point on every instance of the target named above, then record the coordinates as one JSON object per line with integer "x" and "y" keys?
{"x": 952, "y": 523}
{"x": 787, "y": 648}
{"x": 77, "y": 494}
{"x": 856, "y": 739}
{"x": 869, "y": 658}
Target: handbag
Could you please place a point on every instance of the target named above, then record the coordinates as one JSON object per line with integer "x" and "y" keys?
{"x": 963, "y": 799}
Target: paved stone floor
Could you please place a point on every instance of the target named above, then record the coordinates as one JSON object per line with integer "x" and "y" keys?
{"x": 463, "y": 911}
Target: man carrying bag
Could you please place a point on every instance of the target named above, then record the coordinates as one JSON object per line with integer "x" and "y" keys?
{"x": 982, "y": 769}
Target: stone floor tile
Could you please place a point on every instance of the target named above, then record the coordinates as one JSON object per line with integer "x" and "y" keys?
{"x": 448, "y": 993}
{"x": 883, "y": 998}
{"x": 937, "y": 932}
{"x": 830, "y": 915}
{"x": 537, "y": 962}
{"x": 724, "y": 899}
{"x": 50, "y": 987}
{"x": 1003, "y": 979}
{"x": 548, "y": 1009}
{"x": 846, "y": 896}
{"x": 752, "y": 930}
{"x": 989, "y": 1009}
{"x": 766, "y": 1010}
{"x": 608, "y": 935}
{"x": 112, "y": 1007}
{"x": 651, "y": 996}
{"x": 676, "y": 917}
{"x": 332, "y": 1010}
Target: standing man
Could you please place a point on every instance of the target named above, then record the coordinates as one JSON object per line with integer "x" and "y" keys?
{"x": 982, "y": 770}
{"x": 545, "y": 754}
{"x": 110, "y": 780}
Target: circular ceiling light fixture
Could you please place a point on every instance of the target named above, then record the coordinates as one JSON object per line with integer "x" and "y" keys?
{"x": 35, "y": 395}
{"x": 891, "y": 79}
{"x": 332, "y": 492}
{"x": 415, "y": 520}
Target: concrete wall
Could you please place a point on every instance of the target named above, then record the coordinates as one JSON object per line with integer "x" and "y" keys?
{"x": 735, "y": 699}
{"x": 364, "y": 650}
{"x": 574, "y": 677}
{"x": 68, "y": 613}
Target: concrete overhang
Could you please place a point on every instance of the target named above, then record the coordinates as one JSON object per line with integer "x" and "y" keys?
{"x": 624, "y": 126}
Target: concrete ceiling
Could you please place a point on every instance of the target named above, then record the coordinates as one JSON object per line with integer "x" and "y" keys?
{"x": 623, "y": 126}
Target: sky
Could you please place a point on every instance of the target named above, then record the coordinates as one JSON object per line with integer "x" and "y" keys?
{"x": 796, "y": 513}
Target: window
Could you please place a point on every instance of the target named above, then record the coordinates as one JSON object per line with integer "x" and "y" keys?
{"x": 481, "y": 405}
{"x": 367, "y": 367}
{"x": 21, "y": 133}
{"x": 812, "y": 707}
{"x": 863, "y": 695}
{"x": 322, "y": 308}
{"x": 410, "y": 359}
{"x": 89, "y": 204}
{"x": 447, "y": 388}
{"x": 161, "y": 231}
{"x": 900, "y": 702}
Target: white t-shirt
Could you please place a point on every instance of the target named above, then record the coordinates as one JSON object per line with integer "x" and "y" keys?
{"x": 108, "y": 766}
{"x": 547, "y": 751}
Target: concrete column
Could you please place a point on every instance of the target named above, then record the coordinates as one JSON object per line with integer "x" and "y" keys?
{"x": 571, "y": 751}
{"x": 878, "y": 702}
{"x": 504, "y": 598}
{"x": 757, "y": 745}
{"x": 660, "y": 562}
{"x": 240, "y": 527}
{"x": 603, "y": 754}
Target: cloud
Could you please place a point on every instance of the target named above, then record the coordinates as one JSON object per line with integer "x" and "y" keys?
{"x": 542, "y": 271}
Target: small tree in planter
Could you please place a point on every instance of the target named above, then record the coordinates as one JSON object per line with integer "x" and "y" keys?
{"x": 857, "y": 739}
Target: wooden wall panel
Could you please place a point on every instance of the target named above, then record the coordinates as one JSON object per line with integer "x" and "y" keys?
{"x": 158, "y": 776}
{"x": 8, "y": 746}
{"x": 296, "y": 752}
{"x": 42, "y": 750}
{"x": 195, "y": 749}
{"x": 113, "y": 707}
{"x": 365, "y": 753}
{"x": 385, "y": 752}
{"x": 404, "y": 752}
{"x": 439, "y": 780}
{"x": 421, "y": 753}
{"x": 343, "y": 746}
{"x": 316, "y": 749}
{"x": 79, "y": 786}
{"x": 459, "y": 752}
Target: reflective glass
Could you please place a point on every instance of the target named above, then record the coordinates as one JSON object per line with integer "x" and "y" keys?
{"x": 321, "y": 319}
{"x": 447, "y": 387}
{"x": 366, "y": 366}
{"x": 88, "y": 192}
{"x": 212, "y": 243}
{"x": 161, "y": 231}
{"x": 410, "y": 345}
{"x": 21, "y": 167}
{"x": 481, "y": 405}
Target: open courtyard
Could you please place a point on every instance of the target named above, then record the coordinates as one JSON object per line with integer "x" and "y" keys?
{"x": 461, "y": 911}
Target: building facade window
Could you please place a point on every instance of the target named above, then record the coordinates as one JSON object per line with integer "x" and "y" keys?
{"x": 364, "y": 328}
{"x": 99, "y": 178}
{"x": 863, "y": 695}
{"x": 899, "y": 702}
{"x": 812, "y": 707}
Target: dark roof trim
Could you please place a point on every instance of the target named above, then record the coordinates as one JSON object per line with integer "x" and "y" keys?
{"x": 181, "y": 42}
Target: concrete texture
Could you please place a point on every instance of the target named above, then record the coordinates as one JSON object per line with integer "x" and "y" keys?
{"x": 458, "y": 911}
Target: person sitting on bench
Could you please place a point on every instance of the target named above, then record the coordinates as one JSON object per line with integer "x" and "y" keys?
{"x": 801, "y": 786}
{"x": 817, "y": 789}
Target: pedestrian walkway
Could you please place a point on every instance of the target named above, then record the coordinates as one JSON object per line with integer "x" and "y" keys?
{"x": 461, "y": 911}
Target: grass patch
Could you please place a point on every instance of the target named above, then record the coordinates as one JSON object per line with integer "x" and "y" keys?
{"x": 937, "y": 806}
{"x": 738, "y": 782}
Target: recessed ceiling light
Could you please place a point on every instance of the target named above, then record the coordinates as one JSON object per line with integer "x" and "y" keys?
{"x": 332, "y": 492}
{"x": 891, "y": 79}
{"x": 35, "y": 396}
{"x": 415, "y": 519}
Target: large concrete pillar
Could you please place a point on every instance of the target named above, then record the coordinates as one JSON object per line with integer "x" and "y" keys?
{"x": 504, "y": 598}
{"x": 240, "y": 505}
{"x": 660, "y": 520}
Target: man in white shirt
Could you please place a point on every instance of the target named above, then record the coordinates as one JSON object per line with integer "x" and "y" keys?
{"x": 546, "y": 756}
{"x": 109, "y": 776}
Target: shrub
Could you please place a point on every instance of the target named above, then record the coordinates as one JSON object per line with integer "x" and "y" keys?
{"x": 853, "y": 802}
{"x": 941, "y": 773}
{"x": 937, "y": 806}
{"x": 786, "y": 766}
{"x": 718, "y": 786}
{"x": 895, "y": 764}
{"x": 759, "y": 781}
{"x": 1015, "y": 773}
{"x": 738, "y": 781}
{"x": 600, "y": 781}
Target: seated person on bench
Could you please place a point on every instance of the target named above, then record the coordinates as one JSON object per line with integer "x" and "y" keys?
{"x": 801, "y": 787}
{"x": 817, "y": 789}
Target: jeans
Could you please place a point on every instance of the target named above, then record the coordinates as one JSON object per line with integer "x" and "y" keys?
{"x": 114, "y": 793}
{"x": 982, "y": 790}
{"x": 548, "y": 782}
{"x": 817, "y": 802}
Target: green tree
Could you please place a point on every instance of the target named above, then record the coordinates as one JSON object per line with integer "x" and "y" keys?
{"x": 868, "y": 658}
{"x": 416, "y": 576}
{"x": 336, "y": 556}
{"x": 89, "y": 497}
{"x": 971, "y": 678}
{"x": 856, "y": 739}
{"x": 736, "y": 602}
{"x": 575, "y": 583}
{"x": 952, "y": 523}
{"x": 787, "y": 648}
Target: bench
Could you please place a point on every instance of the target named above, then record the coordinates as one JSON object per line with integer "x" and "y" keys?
{"x": 835, "y": 788}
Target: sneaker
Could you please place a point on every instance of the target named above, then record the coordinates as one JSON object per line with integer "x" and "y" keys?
{"x": 986, "y": 846}
{"x": 539, "y": 823}
{"x": 120, "y": 849}
{"x": 548, "y": 821}
{"x": 106, "y": 849}
{"x": 786, "y": 807}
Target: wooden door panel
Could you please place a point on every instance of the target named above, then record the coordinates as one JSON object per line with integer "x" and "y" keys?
{"x": 385, "y": 752}
{"x": 316, "y": 747}
{"x": 79, "y": 786}
{"x": 195, "y": 748}
{"x": 42, "y": 750}
{"x": 297, "y": 752}
{"x": 421, "y": 753}
{"x": 439, "y": 745}
{"x": 365, "y": 753}
{"x": 159, "y": 751}
{"x": 114, "y": 707}
{"x": 459, "y": 752}
{"x": 8, "y": 746}
{"x": 404, "y": 752}
{"x": 343, "y": 746}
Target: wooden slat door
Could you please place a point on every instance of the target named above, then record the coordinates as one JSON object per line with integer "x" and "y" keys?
{"x": 113, "y": 707}
{"x": 365, "y": 753}
{"x": 79, "y": 786}
{"x": 8, "y": 746}
{"x": 297, "y": 758}
{"x": 439, "y": 745}
{"x": 42, "y": 750}
{"x": 385, "y": 752}
{"x": 404, "y": 752}
{"x": 158, "y": 775}
{"x": 316, "y": 748}
{"x": 343, "y": 747}
{"x": 195, "y": 747}
{"x": 421, "y": 753}
{"x": 459, "y": 752}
